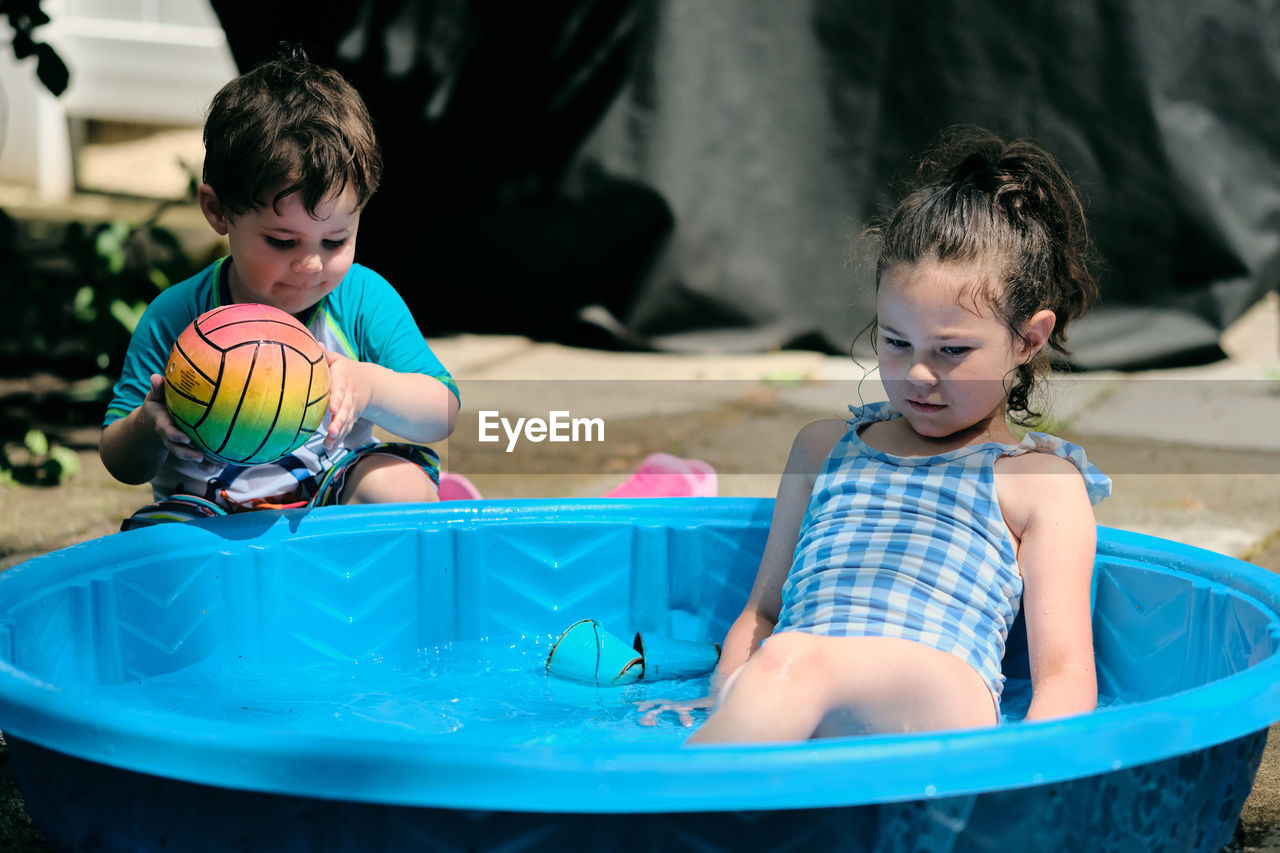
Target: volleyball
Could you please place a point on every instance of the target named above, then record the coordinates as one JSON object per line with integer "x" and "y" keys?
{"x": 247, "y": 382}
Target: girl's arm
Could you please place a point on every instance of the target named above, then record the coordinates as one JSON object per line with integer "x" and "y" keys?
{"x": 760, "y": 614}
{"x": 1048, "y": 511}
{"x": 413, "y": 406}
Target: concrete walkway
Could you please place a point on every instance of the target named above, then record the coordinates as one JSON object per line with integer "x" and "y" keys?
{"x": 1194, "y": 452}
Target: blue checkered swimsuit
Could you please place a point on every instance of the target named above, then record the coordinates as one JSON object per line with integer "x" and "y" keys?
{"x": 914, "y": 547}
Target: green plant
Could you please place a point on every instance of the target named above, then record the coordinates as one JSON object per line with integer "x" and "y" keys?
{"x": 121, "y": 267}
{"x": 36, "y": 461}
{"x": 76, "y": 297}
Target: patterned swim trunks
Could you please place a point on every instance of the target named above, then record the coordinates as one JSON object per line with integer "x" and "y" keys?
{"x": 328, "y": 492}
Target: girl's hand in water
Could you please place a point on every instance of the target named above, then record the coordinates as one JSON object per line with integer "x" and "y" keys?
{"x": 651, "y": 708}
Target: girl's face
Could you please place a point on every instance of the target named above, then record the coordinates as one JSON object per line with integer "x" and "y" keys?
{"x": 287, "y": 259}
{"x": 945, "y": 356}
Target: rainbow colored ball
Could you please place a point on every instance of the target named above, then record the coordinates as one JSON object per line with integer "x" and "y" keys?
{"x": 248, "y": 383}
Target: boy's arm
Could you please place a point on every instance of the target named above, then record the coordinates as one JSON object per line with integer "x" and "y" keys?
{"x": 1049, "y": 510}
{"x": 133, "y": 448}
{"x": 414, "y": 406}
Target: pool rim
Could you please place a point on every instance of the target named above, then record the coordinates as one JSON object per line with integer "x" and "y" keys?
{"x": 580, "y": 779}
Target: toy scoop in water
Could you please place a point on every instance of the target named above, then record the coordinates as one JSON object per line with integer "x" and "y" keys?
{"x": 587, "y": 652}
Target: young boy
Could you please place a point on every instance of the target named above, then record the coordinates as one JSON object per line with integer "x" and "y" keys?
{"x": 291, "y": 158}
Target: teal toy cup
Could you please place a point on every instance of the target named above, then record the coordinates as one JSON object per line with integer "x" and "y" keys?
{"x": 667, "y": 657}
{"x": 587, "y": 652}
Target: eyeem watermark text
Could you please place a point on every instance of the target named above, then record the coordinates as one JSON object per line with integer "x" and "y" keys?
{"x": 559, "y": 426}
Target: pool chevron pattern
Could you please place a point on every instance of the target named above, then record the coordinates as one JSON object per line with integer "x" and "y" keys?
{"x": 1166, "y": 768}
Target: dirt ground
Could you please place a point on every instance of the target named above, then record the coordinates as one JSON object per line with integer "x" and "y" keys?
{"x": 38, "y": 519}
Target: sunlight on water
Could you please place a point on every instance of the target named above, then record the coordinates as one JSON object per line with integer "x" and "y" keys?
{"x": 488, "y": 691}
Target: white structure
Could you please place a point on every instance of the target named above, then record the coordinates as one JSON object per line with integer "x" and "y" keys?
{"x": 144, "y": 61}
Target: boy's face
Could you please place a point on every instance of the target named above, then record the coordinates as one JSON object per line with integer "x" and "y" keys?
{"x": 286, "y": 259}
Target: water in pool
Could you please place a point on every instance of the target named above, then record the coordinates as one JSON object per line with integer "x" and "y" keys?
{"x": 495, "y": 691}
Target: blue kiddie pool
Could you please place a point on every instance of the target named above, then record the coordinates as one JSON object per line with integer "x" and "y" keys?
{"x": 373, "y": 679}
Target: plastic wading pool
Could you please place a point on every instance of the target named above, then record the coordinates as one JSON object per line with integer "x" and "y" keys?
{"x": 372, "y": 679}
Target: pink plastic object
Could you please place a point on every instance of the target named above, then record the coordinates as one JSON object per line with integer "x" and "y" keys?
{"x": 662, "y": 475}
{"x": 455, "y": 487}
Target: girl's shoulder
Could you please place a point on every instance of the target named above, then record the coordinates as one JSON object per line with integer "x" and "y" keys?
{"x": 813, "y": 444}
{"x": 1035, "y": 464}
{"x": 1042, "y": 453}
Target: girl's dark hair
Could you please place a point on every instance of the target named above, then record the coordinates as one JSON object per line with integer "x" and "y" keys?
{"x": 293, "y": 125}
{"x": 1009, "y": 209}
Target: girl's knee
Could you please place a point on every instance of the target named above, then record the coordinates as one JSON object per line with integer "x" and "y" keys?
{"x": 386, "y": 479}
{"x": 791, "y": 656}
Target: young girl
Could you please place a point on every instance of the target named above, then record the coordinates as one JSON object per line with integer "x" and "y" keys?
{"x": 904, "y": 539}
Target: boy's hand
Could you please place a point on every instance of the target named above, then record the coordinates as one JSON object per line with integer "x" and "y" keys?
{"x": 349, "y": 395}
{"x": 134, "y": 448}
{"x": 156, "y": 415}
{"x": 413, "y": 406}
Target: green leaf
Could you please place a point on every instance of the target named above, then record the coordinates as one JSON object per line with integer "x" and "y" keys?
{"x": 90, "y": 389}
{"x": 83, "y": 305}
{"x": 66, "y": 459}
{"x": 109, "y": 246}
{"x": 36, "y": 442}
{"x": 127, "y": 315}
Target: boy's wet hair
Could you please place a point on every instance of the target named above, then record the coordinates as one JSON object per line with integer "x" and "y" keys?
{"x": 289, "y": 125}
{"x": 1010, "y": 211}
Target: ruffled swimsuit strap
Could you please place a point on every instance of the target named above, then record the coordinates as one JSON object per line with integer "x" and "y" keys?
{"x": 1097, "y": 484}
{"x": 870, "y": 413}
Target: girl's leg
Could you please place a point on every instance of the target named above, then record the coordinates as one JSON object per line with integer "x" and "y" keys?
{"x": 798, "y": 686}
{"x": 777, "y": 695}
{"x": 379, "y": 478}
